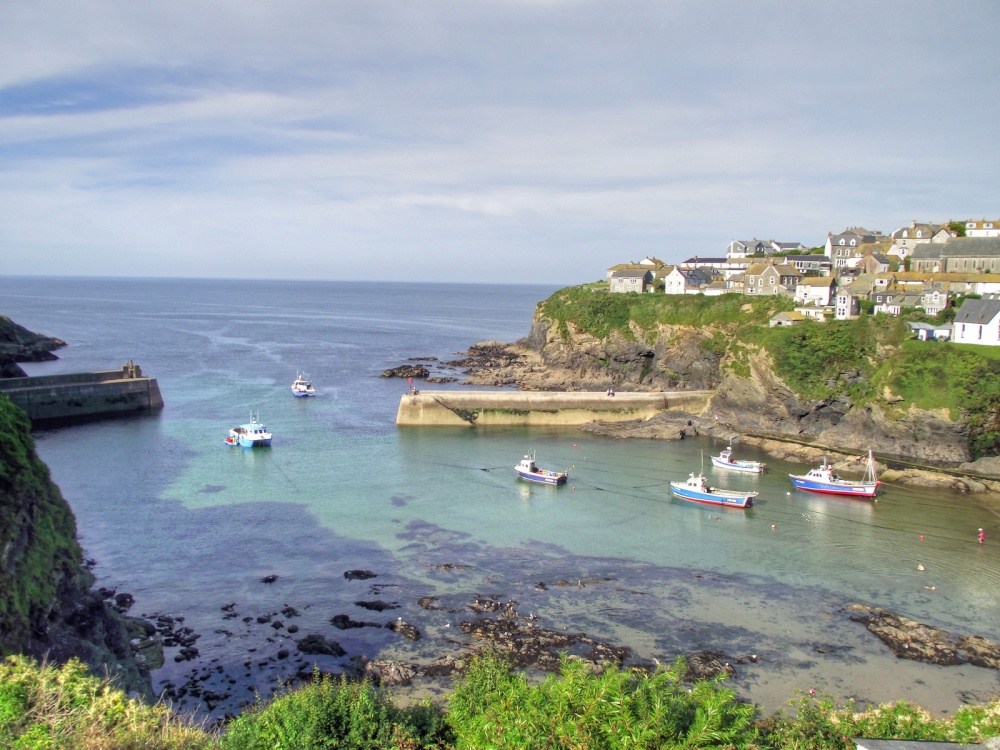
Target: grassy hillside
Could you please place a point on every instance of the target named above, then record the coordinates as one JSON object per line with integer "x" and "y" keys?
{"x": 856, "y": 358}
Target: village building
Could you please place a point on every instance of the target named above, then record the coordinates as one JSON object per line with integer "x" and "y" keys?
{"x": 984, "y": 228}
{"x": 746, "y": 248}
{"x": 818, "y": 291}
{"x": 631, "y": 280}
{"x": 768, "y": 278}
{"x": 905, "y": 239}
{"x": 978, "y": 321}
{"x": 792, "y": 318}
{"x": 686, "y": 280}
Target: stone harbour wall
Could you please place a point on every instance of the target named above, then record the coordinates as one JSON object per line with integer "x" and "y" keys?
{"x": 443, "y": 408}
{"x": 52, "y": 400}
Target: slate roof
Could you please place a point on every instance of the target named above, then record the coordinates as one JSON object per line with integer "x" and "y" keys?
{"x": 630, "y": 273}
{"x": 980, "y": 311}
{"x": 816, "y": 281}
{"x": 927, "y": 251}
{"x": 970, "y": 247}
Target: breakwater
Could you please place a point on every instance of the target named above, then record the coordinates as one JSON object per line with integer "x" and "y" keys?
{"x": 486, "y": 408}
{"x": 53, "y": 400}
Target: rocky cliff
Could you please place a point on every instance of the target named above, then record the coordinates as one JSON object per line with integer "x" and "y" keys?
{"x": 751, "y": 398}
{"x": 47, "y": 608}
{"x": 18, "y": 344}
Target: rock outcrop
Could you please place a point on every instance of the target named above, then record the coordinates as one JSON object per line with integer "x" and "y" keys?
{"x": 18, "y": 344}
{"x": 751, "y": 399}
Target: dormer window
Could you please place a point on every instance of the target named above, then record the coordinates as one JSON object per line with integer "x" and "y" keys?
{"x": 920, "y": 234}
{"x": 988, "y": 226}
{"x": 842, "y": 241}
{"x": 853, "y": 243}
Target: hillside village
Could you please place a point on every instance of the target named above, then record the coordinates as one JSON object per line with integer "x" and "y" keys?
{"x": 923, "y": 266}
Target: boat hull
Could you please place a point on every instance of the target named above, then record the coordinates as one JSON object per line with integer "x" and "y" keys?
{"x": 852, "y": 489}
{"x": 711, "y": 498}
{"x": 543, "y": 478}
{"x": 303, "y": 394}
{"x": 746, "y": 467}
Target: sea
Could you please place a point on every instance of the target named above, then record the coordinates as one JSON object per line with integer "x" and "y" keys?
{"x": 190, "y": 527}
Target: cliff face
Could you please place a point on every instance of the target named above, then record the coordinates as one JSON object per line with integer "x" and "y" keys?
{"x": 751, "y": 398}
{"x": 46, "y": 606}
{"x": 18, "y": 344}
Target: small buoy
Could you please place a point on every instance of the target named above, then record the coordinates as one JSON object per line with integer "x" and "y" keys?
{"x": 574, "y": 489}
{"x": 921, "y": 537}
{"x": 920, "y": 566}
{"x": 773, "y": 527}
{"x": 574, "y": 445}
{"x": 788, "y": 493}
{"x": 931, "y": 588}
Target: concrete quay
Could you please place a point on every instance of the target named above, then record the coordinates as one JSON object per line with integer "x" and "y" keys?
{"x": 539, "y": 408}
{"x": 54, "y": 400}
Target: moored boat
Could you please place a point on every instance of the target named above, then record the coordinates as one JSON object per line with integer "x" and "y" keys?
{"x": 302, "y": 387}
{"x": 528, "y": 470}
{"x": 697, "y": 490}
{"x": 725, "y": 460}
{"x": 823, "y": 479}
{"x": 250, "y": 435}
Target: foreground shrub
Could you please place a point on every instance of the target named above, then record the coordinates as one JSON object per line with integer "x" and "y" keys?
{"x": 817, "y": 724}
{"x": 494, "y": 708}
{"x": 335, "y": 713}
{"x": 52, "y": 707}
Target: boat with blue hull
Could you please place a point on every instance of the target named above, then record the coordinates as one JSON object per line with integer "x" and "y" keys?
{"x": 824, "y": 480}
{"x": 250, "y": 435}
{"x": 725, "y": 460}
{"x": 529, "y": 471}
{"x": 696, "y": 490}
{"x": 301, "y": 387}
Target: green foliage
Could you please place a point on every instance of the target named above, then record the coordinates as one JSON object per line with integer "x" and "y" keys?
{"x": 599, "y": 313}
{"x": 335, "y": 713}
{"x": 807, "y": 356}
{"x": 37, "y": 532}
{"x": 958, "y": 227}
{"x": 817, "y": 724}
{"x": 962, "y": 378}
{"x": 497, "y": 709}
{"x": 51, "y": 708}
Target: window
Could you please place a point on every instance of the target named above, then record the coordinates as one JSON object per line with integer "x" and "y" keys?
{"x": 842, "y": 241}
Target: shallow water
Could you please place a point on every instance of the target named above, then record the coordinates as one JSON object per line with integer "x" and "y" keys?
{"x": 188, "y": 525}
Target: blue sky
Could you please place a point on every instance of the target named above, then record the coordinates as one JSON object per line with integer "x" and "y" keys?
{"x": 473, "y": 140}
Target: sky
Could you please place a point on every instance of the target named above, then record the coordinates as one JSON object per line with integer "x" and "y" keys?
{"x": 507, "y": 141}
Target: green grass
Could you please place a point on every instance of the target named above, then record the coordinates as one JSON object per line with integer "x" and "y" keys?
{"x": 63, "y": 707}
{"x": 54, "y": 707}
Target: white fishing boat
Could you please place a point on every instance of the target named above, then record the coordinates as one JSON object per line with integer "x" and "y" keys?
{"x": 725, "y": 460}
{"x": 301, "y": 387}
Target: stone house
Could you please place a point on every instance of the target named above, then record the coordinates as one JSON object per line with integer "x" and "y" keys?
{"x": 631, "y": 280}
{"x": 905, "y": 239}
{"x": 767, "y": 278}
{"x": 746, "y": 248}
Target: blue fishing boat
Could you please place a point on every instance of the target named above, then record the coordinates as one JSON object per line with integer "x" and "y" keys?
{"x": 251, "y": 435}
{"x": 529, "y": 471}
{"x": 725, "y": 460}
{"x": 824, "y": 480}
{"x": 697, "y": 490}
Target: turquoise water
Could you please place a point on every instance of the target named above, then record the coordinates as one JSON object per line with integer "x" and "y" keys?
{"x": 188, "y": 525}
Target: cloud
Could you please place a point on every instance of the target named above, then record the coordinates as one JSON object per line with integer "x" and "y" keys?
{"x": 352, "y": 137}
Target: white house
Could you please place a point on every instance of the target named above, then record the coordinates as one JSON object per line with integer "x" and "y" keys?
{"x": 978, "y": 321}
{"x": 847, "y": 305}
{"x": 984, "y": 228}
{"x": 815, "y": 290}
{"x": 686, "y": 281}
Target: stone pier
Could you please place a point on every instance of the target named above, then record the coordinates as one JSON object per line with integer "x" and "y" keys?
{"x": 540, "y": 408}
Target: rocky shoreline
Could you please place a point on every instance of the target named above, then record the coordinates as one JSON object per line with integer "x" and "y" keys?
{"x": 496, "y": 623}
